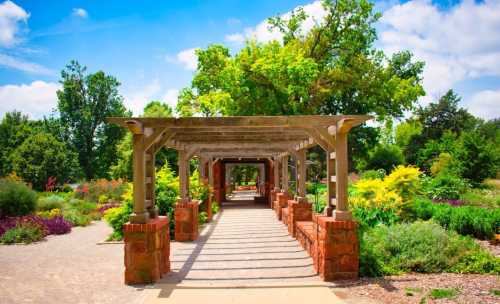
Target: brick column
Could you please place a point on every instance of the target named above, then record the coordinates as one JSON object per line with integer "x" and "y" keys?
{"x": 337, "y": 255}
{"x": 298, "y": 210}
{"x": 281, "y": 202}
{"x": 186, "y": 220}
{"x": 147, "y": 251}
{"x": 274, "y": 192}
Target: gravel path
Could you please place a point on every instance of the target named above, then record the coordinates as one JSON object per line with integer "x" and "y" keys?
{"x": 68, "y": 268}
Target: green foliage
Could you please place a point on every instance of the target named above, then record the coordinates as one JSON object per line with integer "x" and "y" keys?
{"x": 466, "y": 220}
{"x": 418, "y": 247}
{"x": 84, "y": 101}
{"x": 445, "y": 186}
{"x": 215, "y": 207}
{"x": 331, "y": 69}
{"x": 486, "y": 198}
{"x": 385, "y": 157}
{"x": 50, "y": 202}
{"x": 405, "y": 131}
{"x": 202, "y": 217}
{"x": 167, "y": 190}
{"x": 117, "y": 217}
{"x": 14, "y": 129}
{"x": 41, "y": 156}
{"x": 444, "y": 293}
{"x": 371, "y": 217}
{"x": 23, "y": 233}
{"x": 373, "y": 174}
{"x": 16, "y": 198}
{"x": 76, "y": 218}
{"x": 157, "y": 109}
{"x": 479, "y": 261}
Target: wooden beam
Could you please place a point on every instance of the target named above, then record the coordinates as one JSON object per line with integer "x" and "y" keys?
{"x": 134, "y": 126}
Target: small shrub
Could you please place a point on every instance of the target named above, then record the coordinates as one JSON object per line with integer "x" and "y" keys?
{"x": 116, "y": 218}
{"x": 445, "y": 186}
{"x": 85, "y": 207}
{"x": 50, "y": 202}
{"x": 49, "y": 214}
{"x": 371, "y": 217}
{"x": 16, "y": 199}
{"x": 215, "y": 207}
{"x": 411, "y": 291}
{"x": 202, "y": 217}
{"x": 444, "y": 293}
{"x": 478, "y": 262}
{"x": 57, "y": 225}
{"x": 419, "y": 247}
{"x": 373, "y": 174}
{"x": 76, "y": 218}
{"x": 495, "y": 292}
{"x": 23, "y": 233}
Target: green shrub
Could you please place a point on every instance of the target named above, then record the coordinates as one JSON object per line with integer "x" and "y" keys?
{"x": 117, "y": 217}
{"x": 50, "y": 202}
{"x": 371, "y": 217}
{"x": 202, "y": 217}
{"x": 420, "y": 247}
{"x": 445, "y": 186}
{"x": 16, "y": 198}
{"x": 23, "y": 233}
{"x": 466, "y": 220}
{"x": 215, "y": 207}
{"x": 76, "y": 218}
{"x": 479, "y": 261}
{"x": 373, "y": 174}
{"x": 383, "y": 157}
{"x": 85, "y": 207}
{"x": 167, "y": 190}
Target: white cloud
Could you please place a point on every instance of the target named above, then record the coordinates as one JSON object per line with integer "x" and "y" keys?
{"x": 485, "y": 104}
{"x": 137, "y": 100}
{"x": 236, "y": 38}
{"x": 188, "y": 58}
{"x": 11, "y": 17}
{"x": 261, "y": 32}
{"x": 80, "y": 12}
{"x": 36, "y": 99}
{"x": 170, "y": 98}
{"x": 458, "y": 44}
{"x": 25, "y": 66}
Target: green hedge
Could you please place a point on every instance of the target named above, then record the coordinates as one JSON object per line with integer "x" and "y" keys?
{"x": 466, "y": 220}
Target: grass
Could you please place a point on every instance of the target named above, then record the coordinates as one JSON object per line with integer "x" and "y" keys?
{"x": 411, "y": 291}
{"x": 495, "y": 292}
{"x": 444, "y": 293}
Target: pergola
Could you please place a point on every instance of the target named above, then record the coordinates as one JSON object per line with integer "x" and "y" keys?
{"x": 275, "y": 138}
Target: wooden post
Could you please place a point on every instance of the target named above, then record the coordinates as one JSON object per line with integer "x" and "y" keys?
{"x": 284, "y": 174}
{"x": 183, "y": 175}
{"x": 211, "y": 172}
{"x": 301, "y": 173}
{"x": 341, "y": 213}
{"x": 150, "y": 183}
{"x": 331, "y": 182}
{"x": 140, "y": 215}
{"x": 276, "y": 167}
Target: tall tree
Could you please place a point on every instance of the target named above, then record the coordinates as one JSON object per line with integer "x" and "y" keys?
{"x": 83, "y": 103}
{"x": 14, "y": 129}
{"x": 333, "y": 68}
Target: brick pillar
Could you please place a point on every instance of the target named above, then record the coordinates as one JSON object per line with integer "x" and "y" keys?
{"x": 298, "y": 210}
{"x": 337, "y": 249}
{"x": 281, "y": 202}
{"x": 186, "y": 220}
{"x": 147, "y": 251}
{"x": 209, "y": 208}
{"x": 272, "y": 197}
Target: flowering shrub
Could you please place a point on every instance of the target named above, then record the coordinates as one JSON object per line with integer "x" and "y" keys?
{"x": 404, "y": 180}
{"x": 49, "y": 214}
{"x": 57, "y": 225}
{"x": 374, "y": 193}
{"x": 101, "y": 189}
{"x": 32, "y": 220}
{"x": 103, "y": 208}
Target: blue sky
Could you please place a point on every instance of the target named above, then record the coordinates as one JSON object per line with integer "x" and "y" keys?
{"x": 148, "y": 45}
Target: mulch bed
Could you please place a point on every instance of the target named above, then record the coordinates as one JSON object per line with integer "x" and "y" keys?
{"x": 473, "y": 288}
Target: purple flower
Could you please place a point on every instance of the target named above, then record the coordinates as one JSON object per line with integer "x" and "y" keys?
{"x": 108, "y": 206}
{"x": 57, "y": 225}
{"x": 451, "y": 202}
{"x": 33, "y": 220}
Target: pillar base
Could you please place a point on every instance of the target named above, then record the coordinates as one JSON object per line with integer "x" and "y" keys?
{"x": 298, "y": 210}
{"x": 337, "y": 249}
{"x": 186, "y": 221}
{"x": 153, "y": 212}
{"x": 139, "y": 218}
{"x": 281, "y": 202}
{"x": 147, "y": 251}
{"x": 342, "y": 215}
